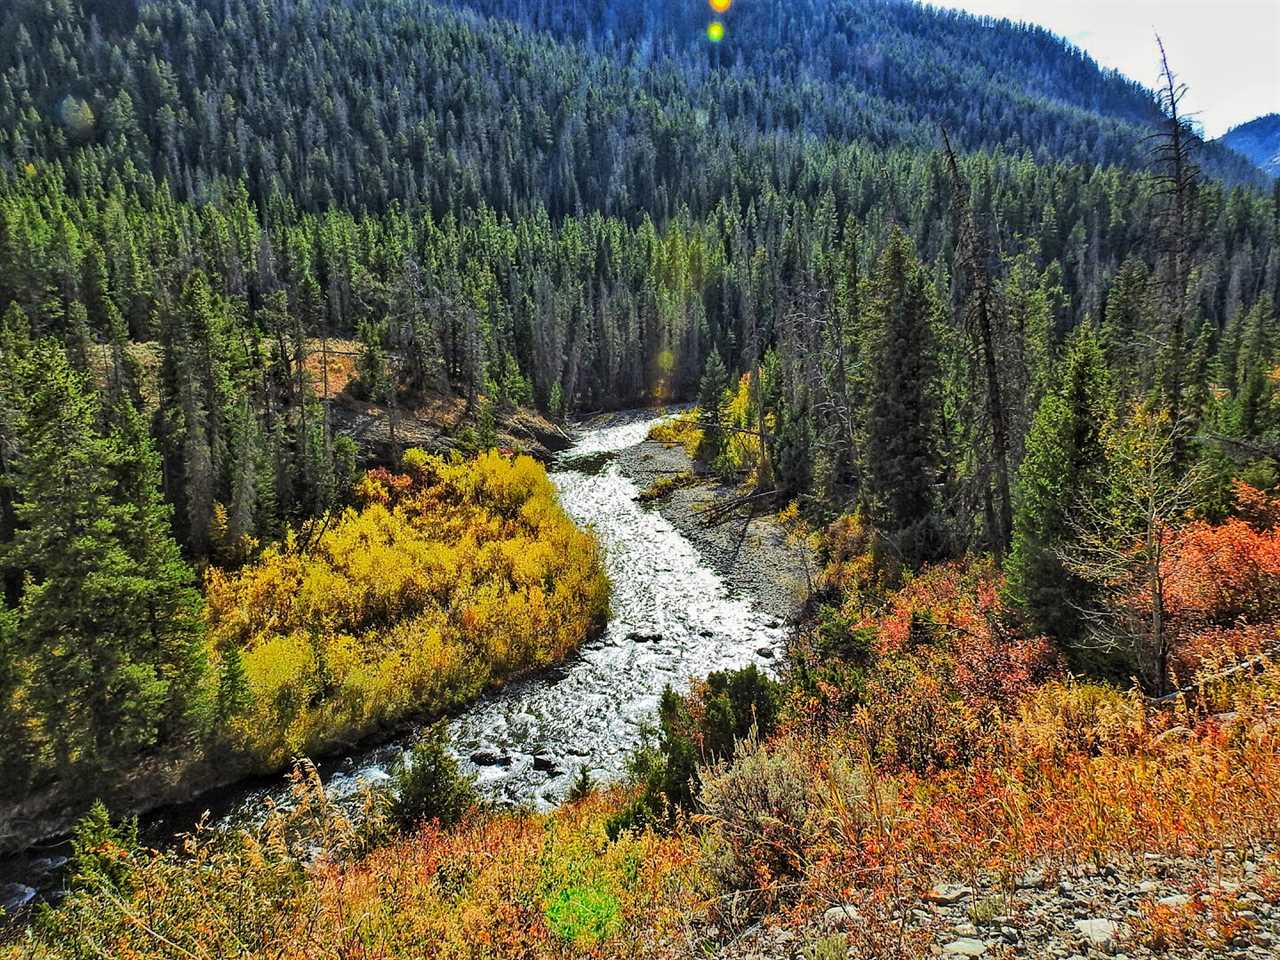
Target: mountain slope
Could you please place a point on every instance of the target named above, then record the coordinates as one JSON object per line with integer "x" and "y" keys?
{"x": 606, "y": 106}
{"x": 992, "y": 83}
{"x": 1259, "y": 140}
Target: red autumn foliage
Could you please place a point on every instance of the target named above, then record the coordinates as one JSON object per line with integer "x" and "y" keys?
{"x": 1259, "y": 508}
{"x": 383, "y": 487}
{"x": 1222, "y": 583}
{"x": 959, "y": 603}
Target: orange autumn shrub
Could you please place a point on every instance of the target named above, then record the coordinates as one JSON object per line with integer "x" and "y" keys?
{"x": 1082, "y": 775}
{"x": 1222, "y": 586}
{"x": 1224, "y": 574}
{"x": 1209, "y": 918}
{"x": 1258, "y": 508}
{"x": 452, "y": 577}
{"x": 515, "y": 885}
{"x": 959, "y": 604}
{"x": 855, "y": 567}
{"x": 940, "y": 665}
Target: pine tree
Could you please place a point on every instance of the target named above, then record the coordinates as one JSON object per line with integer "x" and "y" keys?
{"x": 1127, "y": 327}
{"x": 711, "y": 393}
{"x": 902, "y": 449}
{"x": 234, "y": 696}
{"x": 18, "y": 756}
{"x": 109, "y": 615}
{"x": 1255, "y": 368}
{"x": 1064, "y": 461}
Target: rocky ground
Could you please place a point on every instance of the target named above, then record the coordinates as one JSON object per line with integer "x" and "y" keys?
{"x": 440, "y": 425}
{"x": 1156, "y": 906}
{"x": 751, "y": 553}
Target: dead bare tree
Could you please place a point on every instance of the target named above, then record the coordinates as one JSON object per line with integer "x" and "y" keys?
{"x": 1121, "y": 539}
{"x": 1176, "y": 177}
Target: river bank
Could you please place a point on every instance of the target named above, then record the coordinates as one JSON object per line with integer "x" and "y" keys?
{"x": 751, "y": 553}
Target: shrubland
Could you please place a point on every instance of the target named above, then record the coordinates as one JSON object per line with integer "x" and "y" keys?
{"x": 917, "y": 735}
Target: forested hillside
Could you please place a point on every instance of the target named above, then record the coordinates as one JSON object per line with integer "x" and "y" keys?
{"x": 508, "y": 214}
{"x": 1259, "y": 140}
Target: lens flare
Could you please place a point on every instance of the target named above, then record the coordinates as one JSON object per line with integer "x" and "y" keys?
{"x": 715, "y": 31}
{"x": 720, "y": 6}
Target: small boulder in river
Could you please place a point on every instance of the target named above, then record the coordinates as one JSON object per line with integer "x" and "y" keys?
{"x": 545, "y": 764}
{"x": 46, "y": 865}
{"x": 490, "y": 758}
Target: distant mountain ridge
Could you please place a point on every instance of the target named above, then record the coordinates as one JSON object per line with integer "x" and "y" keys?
{"x": 1259, "y": 140}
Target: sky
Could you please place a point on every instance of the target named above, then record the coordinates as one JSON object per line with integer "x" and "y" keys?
{"x": 1226, "y": 51}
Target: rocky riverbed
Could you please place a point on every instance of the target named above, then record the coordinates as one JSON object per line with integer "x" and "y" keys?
{"x": 751, "y": 553}
{"x": 685, "y": 602}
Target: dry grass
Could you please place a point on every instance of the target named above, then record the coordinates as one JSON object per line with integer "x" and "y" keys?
{"x": 341, "y": 367}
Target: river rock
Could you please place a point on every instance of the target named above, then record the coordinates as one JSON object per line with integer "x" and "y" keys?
{"x": 490, "y": 758}
{"x": 965, "y": 947}
{"x": 948, "y": 894}
{"x": 15, "y": 896}
{"x": 46, "y": 865}
{"x": 1033, "y": 879}
{"x": 1098, "y": 931}
{"x": 840, "y": 917}
{"x": 545, "y": 764}
{"x": 1174, "y": 901}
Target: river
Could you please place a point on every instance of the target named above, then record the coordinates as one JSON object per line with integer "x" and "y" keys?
{"x": 673, "y": 619}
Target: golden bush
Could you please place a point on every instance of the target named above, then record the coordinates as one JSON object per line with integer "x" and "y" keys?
{"x": 452, "y": 577}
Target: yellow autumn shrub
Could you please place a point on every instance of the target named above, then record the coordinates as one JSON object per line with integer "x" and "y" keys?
{"x": 450, "y": 578}
{"x": 681, "y": 430}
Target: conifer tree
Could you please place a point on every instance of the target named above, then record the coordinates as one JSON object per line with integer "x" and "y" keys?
{"x": 711, "y": 391}
{"x": 1255, "y": 382}
{"x": 109, "y": 615}
{"x": 1126, "y": 327}
{"x": 902, "y": 450}
{"x": 1064, "y": 461}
